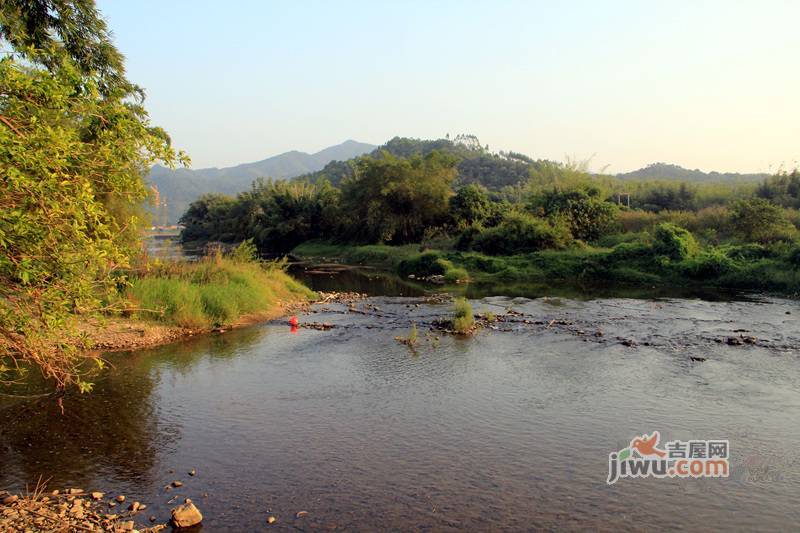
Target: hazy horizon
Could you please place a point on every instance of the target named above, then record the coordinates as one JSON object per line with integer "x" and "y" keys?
{"x": 706, "y": 85}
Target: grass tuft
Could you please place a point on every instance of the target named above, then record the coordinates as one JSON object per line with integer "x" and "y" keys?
{"x": 463, "y": 318}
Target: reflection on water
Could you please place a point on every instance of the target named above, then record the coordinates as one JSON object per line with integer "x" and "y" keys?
{"x": 504, "y": 431}
{"x": 380, "y": 283}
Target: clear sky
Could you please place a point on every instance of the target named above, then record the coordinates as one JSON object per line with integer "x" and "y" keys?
{"x": 705, "y": 84}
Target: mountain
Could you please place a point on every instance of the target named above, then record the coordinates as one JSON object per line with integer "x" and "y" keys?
{"x": 666, "y": 171}
{"x": 183, "y": 186}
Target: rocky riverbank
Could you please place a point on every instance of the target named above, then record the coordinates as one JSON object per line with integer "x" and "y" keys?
{"x": 72, "y": 510}
{"x": 122, "y": 334}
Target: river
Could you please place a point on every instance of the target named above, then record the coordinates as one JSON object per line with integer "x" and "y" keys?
{"x": 508, "y": 430}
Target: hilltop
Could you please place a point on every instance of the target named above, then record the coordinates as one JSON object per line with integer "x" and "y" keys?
{"x": 668, "y": 171}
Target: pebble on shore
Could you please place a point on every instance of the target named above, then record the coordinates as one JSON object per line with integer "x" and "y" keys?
{"x": 63, "y": 511}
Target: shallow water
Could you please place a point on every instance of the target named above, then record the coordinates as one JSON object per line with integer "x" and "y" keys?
{"x": 508, "y": 430}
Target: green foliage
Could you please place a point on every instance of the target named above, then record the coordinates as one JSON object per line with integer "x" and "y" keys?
{"x": 75, "y": 140}
{"x": 431, "y": 264}
{"x": 463, "y": 318}
{"x": 175, "y": 301}
{"x": 470, "y": 205}
{"x": 588, "y": 216}
{"x": 674, "y": 242}
{"x": 709, "y": 265}
{"x": 521, "y": 233}
{"x": 793, "y": 257}
{"x": 391, "y": 200}
{"x": 782, "y": 189}
{"x": 276, "y": 215}
{"x": 425, "y": 264}
{"x": 759, "y": 220}
{"x": 456, "y": 275}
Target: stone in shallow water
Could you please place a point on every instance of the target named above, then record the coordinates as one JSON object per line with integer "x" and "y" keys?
{"x": 186, "y": 515}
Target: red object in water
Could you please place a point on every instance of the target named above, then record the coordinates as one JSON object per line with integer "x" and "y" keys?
{"x": 293, "y": 321}
{"x": 293, "y": 330}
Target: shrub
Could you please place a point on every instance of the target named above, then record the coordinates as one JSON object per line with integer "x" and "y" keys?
{"x": 674, "y": 242}
{"x": 454, "y": 275}
{"x": 425, "y": 264}
{"x": 630, "y": 251}
{"x": 709, "y": 265}
{"x": 749, "y": 252}
{"x": 467, "y": 237}
{"x": 586, "y": 214}
{"x": 463, "y": 319}
{"x": 520, "y": 233}
{"x": 761, "y": 221}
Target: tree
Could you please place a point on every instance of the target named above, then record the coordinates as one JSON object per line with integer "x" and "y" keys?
{"x": 75, "y": 141}
{"x": 759, "y": 220}
{"x": 392, "y": 200}
{"x": 586, "y": 213}
{"x": 470, "y": 205}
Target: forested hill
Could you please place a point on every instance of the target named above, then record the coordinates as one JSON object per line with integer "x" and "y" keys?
{"x": 666, "y": 171}
{"x": 476, "y": 164}
{"x": 183, "y": 186}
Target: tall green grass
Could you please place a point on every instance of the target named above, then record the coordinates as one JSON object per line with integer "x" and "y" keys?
{"x": 214, "y": 291}
{"x": 463, "y": 318}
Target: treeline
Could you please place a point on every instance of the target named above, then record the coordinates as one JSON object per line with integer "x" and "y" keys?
{"x": 421, "y": 198}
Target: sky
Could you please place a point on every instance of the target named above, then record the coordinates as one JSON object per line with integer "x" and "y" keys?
{"x": 713, "y": 85}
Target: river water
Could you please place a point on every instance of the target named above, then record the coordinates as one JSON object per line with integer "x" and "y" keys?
{"x": 507, "y": 430}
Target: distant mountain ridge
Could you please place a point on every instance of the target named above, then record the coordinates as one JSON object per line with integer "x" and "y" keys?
{"x": 182, "y": 186}
{"x": 667, "y": 171}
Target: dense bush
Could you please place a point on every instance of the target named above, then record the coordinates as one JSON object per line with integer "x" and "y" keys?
{"x": 709, "y": 265}
{"x": 424, "y": 264}
{"x": 587, "y": 215}
{"x": 758, "y": 220}
{"x": 469, "y": 206}
{"x": 432, "y": 264}
{"x": 521, "y": 233}
{"x": 674, "y": 242}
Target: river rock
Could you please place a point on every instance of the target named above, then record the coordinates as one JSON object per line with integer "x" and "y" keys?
{"x": 271, "y": 519}
{"x": 177, "y": 484}
{"x": 186, "y": 515}
{"x": 121, "y": 498}
{"x": 97, "y": 495}
{"x": 8, "y": 500}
